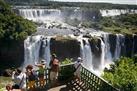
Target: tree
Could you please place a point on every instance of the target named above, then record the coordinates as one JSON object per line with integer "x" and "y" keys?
{"x": 123, "y": 74}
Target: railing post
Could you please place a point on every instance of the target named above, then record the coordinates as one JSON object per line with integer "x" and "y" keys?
{"x": 93, "y": 82}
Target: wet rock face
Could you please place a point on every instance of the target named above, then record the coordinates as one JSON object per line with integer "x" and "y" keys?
{"x": 135, "y": 44}
{"x": 95, "y": 44}
{"x": 11, "y": 55}
{"x": 112, "y": 42}
{"x": 65, "y": 48}
{"x": 129, "y": 45}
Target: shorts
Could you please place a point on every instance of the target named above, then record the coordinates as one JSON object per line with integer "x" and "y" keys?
{"x": 53, "y": 75}
{"x": 31, "y": 84}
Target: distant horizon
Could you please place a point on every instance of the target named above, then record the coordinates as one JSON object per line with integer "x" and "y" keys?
{"x": 130, "y": 2}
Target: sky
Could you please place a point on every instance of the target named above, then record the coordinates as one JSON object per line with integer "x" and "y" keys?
{"x": 106, "y": 1}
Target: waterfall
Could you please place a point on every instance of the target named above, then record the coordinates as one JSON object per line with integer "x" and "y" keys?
{"x": 118, "y": 47}
{"x": 40, "y": 15}
{"x": 31, "y": 50}
{"x": 87, "y": 57}
{"x": 86, "y": 54}
{"x": 115, "y": 12}
{"x": 107, "y": 53}
{"x": 46, "y": 47}
{"x": 102, "y": 56}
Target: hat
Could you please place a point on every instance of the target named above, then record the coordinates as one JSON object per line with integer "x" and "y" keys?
{"x": 54, "y": 55}
{"x": 79, "y": 59}
{"x": 43, "y": 61}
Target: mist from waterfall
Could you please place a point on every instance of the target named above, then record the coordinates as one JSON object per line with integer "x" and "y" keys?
{"x": 41, "y": 15}
{"x": 38, "y": 47}
{"x": 31, "y": 50}
{"x": 107, "y": 53}
{"x": 86, "y": 53}
{"x": 46, "y": 47}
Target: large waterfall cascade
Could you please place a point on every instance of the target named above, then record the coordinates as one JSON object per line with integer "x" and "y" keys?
{"x": 46, "y": 47}
{"x": 31, "y": 50}
{"x": 38, "y": 47}
{"x": 33, "y": 46}
{"x": 41, "y": 15}
{"x": 86, "y": 54}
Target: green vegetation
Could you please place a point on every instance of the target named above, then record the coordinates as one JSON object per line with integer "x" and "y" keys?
{"x": 66, "y": 71}
{"x": 66, "y": 61}
{"x": 13, "y": 30}
{"x": 13, "y": 27}
{"x": 123, "y": 74}
{"x": 53, "y": 4}
{"x": 4, "y": 81}
{"x": 126, "y": 23}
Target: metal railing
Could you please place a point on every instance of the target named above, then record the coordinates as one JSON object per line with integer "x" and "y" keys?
{"x": 93, "y": 82}
{"x": 89, "y": 79}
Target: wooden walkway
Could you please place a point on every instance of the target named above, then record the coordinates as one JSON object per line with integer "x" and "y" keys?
{"x": 70, "y": 85}
{"x": 89, "y": 81}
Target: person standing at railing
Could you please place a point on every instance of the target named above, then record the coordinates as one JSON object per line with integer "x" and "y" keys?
{"x": 54, "y": 64}
{"x": 77, "y": 65}
{"x": 31, "y": 76}
{"x": 41, "y": 72}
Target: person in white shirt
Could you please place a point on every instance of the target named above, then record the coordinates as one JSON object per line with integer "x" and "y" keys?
{"x": 19, "y": 79}
{"x": 77, "y": 65}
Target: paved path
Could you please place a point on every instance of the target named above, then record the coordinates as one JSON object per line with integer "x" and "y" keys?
{"x": 72, "y": 85}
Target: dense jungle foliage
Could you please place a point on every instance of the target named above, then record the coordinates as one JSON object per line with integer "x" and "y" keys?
{"x": 13, "y": 27}
{"x": 54, "y": 4}
{"x": 126, "y": 23}
{"x": 123, "y": 74}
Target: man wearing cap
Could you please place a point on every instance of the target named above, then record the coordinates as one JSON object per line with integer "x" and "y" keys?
{"x": 54, "y": 64}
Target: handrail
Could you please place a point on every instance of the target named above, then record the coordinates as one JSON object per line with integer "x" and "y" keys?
{"x": 88, "y": 78}
{"x": 94, "y": 82}
{"x": 63, "y": 69}
{"x": 67, "y": 64}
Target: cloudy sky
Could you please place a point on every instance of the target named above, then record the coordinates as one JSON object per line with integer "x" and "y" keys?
{"x": 109, "y": 1}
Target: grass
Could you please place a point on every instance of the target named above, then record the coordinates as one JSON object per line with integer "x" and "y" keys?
{"x": 4, "y": 81}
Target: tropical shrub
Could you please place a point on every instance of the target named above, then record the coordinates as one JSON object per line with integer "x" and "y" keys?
{"x": 123, "y": 74}
{"x": 13, "y": 27}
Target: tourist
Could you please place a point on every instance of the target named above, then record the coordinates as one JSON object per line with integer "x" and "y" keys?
{"x": 19, "y": 79}
{"x": 77, "y": 65}
{"x": 41, "y": 72}
{"x": 31, "y": 76}
{"x": 54, "y": 64}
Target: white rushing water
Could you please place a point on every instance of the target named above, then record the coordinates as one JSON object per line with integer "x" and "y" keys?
{"x": 115, "y": 12}
{"x": 87, "y": 57}
{"x": 35, "y": 44}
{"x": 31, "y": 50}
{"x": 107, "y": 52}
{"x": 46, "y": 47}
{"x": 32, "y": 47}
{"x": 44, "y": 15}
{"x": 41, "y": 15}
